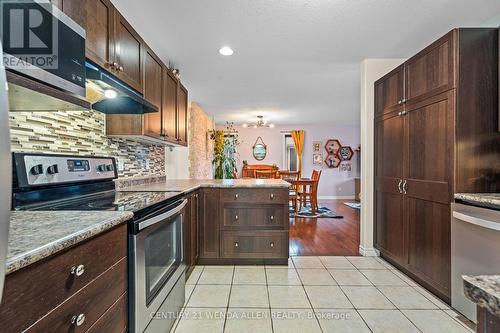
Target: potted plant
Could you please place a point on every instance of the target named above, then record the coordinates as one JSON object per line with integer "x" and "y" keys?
{"x": 225, "y": 153}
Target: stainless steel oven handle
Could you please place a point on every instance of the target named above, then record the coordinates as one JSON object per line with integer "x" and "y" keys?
{"x": 149, "y": 222}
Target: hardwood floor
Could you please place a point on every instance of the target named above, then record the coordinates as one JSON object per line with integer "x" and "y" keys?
{"x": 326, "y": 236}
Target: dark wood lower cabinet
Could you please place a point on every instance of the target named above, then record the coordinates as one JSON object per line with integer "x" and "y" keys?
{"x": 45, "y": 296}
{"x": 429, "y": 244}
{"x": 244, "y": 226}
{"x": 191, "y": 233}
{"x": 487, "y": 322}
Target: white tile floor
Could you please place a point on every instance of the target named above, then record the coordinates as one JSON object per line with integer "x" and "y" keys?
{"x": 313, "y": 294}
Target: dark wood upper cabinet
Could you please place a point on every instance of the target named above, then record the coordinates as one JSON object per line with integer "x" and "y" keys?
{"x": 389, "y": 92}
{"x": 431, "y": 71}
{"x": 100, "y": 45}
{"x": 182, "y": 114}
{"x": 128, "y": 53}
{"x": 153, "y": 93}
{"x": 443, "y": 139}
{"x": 113, "y": 44}
{"x": 75, "y": 9}
{"x": 169, "y": 105}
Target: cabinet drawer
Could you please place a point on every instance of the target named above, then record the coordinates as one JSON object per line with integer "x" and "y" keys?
{"x": 275, "y": 195}
{"x": 254, "y": 244}
{"x": 114, "y": 320}
{"x": 44, "y": 285}
{"x": 92, "y": 301}
{"x": 269, "y": 217}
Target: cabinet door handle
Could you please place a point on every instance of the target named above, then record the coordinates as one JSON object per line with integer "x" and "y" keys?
{"x": 78, "y": 270}
{"x": 236, "y": 196}
{"x": 271, "y": 196}
{"x": 272, "y": 217}
{"x": 271, "y": 244}
{"x": 78, "y": 320}
{"x": 236, "y": 217}
{"x": 404, "y": 101}
{"x": 400, "y": 102}
{"x": 236, "y": 244}
{"x": 120, "y": 68}
{"x": 399, "y": 186}
{"x": 405, "y": 186}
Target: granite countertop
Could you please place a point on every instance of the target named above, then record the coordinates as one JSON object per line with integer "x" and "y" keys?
{"x": 491, "y": 200}
{"x": 484, "y": 290}
{"x": 187, "y": 185}
{"x": 35, "y": 235}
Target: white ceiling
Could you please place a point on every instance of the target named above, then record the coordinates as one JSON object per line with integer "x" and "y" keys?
{"x": 295, "y": 62}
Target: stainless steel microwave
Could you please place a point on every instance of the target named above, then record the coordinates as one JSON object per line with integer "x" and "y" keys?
{"x": 43, "y": 43}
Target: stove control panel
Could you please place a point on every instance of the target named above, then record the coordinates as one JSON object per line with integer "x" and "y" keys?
{"x": 42, "y": 169}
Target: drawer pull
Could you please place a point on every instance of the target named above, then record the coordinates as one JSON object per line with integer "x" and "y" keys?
{"x": 236, "y": 196}
{"x": 272, "y": 217}
{"x": 78, "y": 320}
{"x": 272, "y": 244}
{"x": 271, "y": 196}
{"x": 236, "y": 217}
{"x": 236, "y": 244}
{"x": 78, "y": 270}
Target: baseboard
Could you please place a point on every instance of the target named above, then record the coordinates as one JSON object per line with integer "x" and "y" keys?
{"x": 334, "y": 197}
{"x": 368, "y": 251}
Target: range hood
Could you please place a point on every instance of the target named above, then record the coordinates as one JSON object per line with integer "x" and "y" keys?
{"x": 109, "y": 95}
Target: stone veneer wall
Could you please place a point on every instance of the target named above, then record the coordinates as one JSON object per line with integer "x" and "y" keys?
{"x": 83, "y": 133}
{"x": 200, "y": 146}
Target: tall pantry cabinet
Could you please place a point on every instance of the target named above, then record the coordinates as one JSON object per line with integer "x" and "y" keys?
{"x": 436, "y": 134}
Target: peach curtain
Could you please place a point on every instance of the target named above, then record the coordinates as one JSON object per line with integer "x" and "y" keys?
{"x": 298, "y": 140}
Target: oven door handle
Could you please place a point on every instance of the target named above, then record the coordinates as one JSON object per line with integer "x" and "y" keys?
{"x": 162, "y": 217}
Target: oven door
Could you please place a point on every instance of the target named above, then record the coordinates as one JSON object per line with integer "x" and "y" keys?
{"x": 158, "y": 261}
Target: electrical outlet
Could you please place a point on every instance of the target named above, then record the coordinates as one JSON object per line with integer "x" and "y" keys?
{"x": 121, "y": 165}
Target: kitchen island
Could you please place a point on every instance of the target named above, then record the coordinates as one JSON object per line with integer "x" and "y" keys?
{"x": 240, "y": 221}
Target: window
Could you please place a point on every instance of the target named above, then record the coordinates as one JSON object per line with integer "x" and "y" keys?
{"x": 290, "y": 155}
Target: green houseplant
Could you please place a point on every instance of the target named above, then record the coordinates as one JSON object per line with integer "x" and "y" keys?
{"x": 225, "y": 154}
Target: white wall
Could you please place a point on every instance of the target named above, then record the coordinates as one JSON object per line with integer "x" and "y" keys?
{"x": 371, "y": 71}
{"x": 177, "y": 163}
{"x": 334, "y": 184}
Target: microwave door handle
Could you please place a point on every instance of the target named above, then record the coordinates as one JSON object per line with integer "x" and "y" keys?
{"x": 162, "y": 217}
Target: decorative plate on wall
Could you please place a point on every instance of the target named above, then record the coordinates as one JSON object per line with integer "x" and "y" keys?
{"x": 346, "y": 153}
{"x": 332, "y": 161}
{"x": 333, "y": 146}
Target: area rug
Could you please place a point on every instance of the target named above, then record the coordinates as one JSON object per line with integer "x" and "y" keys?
{"x": 355, "y": 205}
{"x": 321, "y": 212}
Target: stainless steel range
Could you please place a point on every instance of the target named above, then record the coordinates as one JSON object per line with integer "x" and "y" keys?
{"x": 156, "y": 258}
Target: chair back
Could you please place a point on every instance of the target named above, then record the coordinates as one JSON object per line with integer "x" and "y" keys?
{"x": 265, "y": 174}
{"x": 289, "y": 176}
{"x": 316, "y": 176}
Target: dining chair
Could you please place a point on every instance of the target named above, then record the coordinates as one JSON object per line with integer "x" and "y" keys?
{"x": 310, "y": 193}
{"x": 293, "y": 195}
{"x": 265, "y": 174}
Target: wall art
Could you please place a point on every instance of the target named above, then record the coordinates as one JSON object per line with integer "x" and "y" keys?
{"x": 333, "y": 161}
{"x": 316, "y": 146}
{"x": 346, "y": 153}
{"x": 317, "y": 159}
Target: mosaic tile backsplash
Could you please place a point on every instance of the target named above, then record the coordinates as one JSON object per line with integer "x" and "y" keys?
{"x": 83, "y": 133}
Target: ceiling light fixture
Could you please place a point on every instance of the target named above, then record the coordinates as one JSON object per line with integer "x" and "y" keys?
{"x": 226, "y": 51}
{"x": 260, "y": 123}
